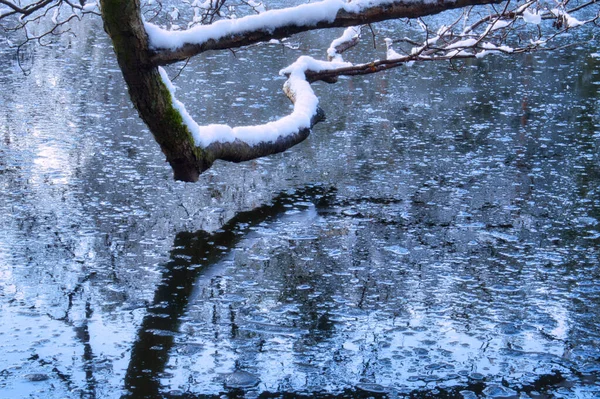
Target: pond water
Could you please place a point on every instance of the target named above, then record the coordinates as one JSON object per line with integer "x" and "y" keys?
{"x": 436, "y": 236}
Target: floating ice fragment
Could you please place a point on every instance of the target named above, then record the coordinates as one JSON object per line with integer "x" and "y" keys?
{"x": 468, "y": 395}
{"x": 501, "y": 236}
{"x": 36, "y": 377}
{"x": 350, "y": 346}
{"x": 371, "y": 388}
{"x": 587, "y": 220}
{"x": 499, "y": 391}
{"x": 350, "y": 212}
{"x": 241, "y": 380}
{"x": 398, "y": 250}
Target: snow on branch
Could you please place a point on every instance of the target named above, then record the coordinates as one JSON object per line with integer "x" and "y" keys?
{"x": 460, "y": 39}
{"x": 296, "y": 88}
{"x": 348, "y": 40}
{"x": 248, "y": 142}
{"x": 172, "y": 46}
{"x": 505, "y": 32}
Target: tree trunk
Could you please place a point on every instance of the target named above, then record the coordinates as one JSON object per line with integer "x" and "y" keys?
{"x": 152, "y": 99}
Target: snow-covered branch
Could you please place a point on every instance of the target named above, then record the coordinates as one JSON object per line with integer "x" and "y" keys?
{"x": 349, "y": 39}
{"x": 502, "y": 32}
{"x": 494, "y": 32}
{"x": 191, "y": 148}
{"x": 237, "y": 144}
{"x": 173, "y": 46}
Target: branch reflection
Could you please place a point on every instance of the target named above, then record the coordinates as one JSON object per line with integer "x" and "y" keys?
{"x": 191, "y": 255}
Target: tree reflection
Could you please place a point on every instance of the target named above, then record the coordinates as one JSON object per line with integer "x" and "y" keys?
{"x": 191, "y": 254}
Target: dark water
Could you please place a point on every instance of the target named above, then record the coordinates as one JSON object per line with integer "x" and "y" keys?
{"x": 437, "y": 236}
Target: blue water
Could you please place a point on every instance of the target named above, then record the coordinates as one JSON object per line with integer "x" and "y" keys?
{"x": 437, "y": 235}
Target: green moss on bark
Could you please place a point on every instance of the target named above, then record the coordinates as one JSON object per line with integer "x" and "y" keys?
{"x": 174, "y": 118}
{"x": 149, "y": 94}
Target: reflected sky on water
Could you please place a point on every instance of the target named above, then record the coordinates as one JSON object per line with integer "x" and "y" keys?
{"x": 437, "y": 234}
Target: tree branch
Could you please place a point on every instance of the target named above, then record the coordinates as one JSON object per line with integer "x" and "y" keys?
{"x": 191, "y": 148}
{"x": 244, "y": 143}
{"x": 24, "y": 11}
{"x": 449, "y": 45}
{"x": 171, "y": 47}
{"x": 250, "y": 142}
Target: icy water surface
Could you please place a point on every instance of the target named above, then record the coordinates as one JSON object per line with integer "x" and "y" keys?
{"x": 437, "y": 236}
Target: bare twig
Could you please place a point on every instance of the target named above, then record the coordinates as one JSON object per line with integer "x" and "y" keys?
{"x": 484, "y": 36}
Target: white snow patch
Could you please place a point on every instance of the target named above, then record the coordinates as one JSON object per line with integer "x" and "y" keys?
{"x": 443, "y": 30}
{"x": 539, "y": 42}
{"x": 569, "y": 20}
{"x": 89, "y": 7}
{"x": 493, "y": 47}
{"x": 572, "y": 21}
{"x": 433, "y": 40}
{"x": 499, "y": 25}
{"x": 458, "y": 53}
{"x": 489, "y": 48}
{"x": 306, "y": 63}
{"x": 391, "y": 54}
{"x": 462, "y": 44}
{"x": 350, "y": 34}
{"x": 532, "y": 17}
{"x": 306, "y": 14}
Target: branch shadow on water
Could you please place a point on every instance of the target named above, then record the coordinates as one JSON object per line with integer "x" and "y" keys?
{"x": 192, "y": 254}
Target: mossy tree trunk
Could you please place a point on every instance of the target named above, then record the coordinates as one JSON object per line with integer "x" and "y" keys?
{"x": 152, "y": 99}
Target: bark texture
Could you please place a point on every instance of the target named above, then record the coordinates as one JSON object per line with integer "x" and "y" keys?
{"x": 150, "y": 96}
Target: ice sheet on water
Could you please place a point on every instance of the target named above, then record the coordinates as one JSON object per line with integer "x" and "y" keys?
{"x": 397, "y": 250}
